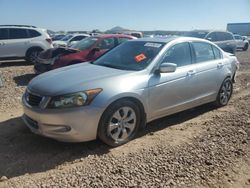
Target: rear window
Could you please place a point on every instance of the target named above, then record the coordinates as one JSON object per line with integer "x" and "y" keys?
{"x": 3, "y": 34}
{"x": 203, "y": 52}
{"x": 33, "y": 33}
{"x": 18, "y": 33}
{"x": 197, "y": 34}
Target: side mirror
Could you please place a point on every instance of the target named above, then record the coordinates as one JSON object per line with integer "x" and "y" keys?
{"x": 96, "y": 49}
{"x": 167, "y": 67}
{"x": 209, "y": 38}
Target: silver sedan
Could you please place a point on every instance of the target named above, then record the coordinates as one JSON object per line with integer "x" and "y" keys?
{"x": 135, "y": 83}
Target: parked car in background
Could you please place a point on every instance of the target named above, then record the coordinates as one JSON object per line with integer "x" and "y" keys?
{"x": 242, "y": 43}
{"x": 58, "y": 37}
{"x": 223, "y": 39}
{"x": 69, "y": 40}
{"x": 134, "y": 83}
{"x": 23, "y": 42}
{"x": 87, "y": 49}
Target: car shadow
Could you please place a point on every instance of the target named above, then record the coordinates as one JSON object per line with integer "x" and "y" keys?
{"x": 23, "y": 80}
{"x": 13, "y": 63}
{"x": 23, "y": 152}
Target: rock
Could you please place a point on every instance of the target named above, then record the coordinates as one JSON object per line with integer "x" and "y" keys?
{"x": 3, "y": 178}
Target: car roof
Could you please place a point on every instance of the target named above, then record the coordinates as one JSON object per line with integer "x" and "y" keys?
{"x": 170, "y": 39}
{"x": 113, "y": 35}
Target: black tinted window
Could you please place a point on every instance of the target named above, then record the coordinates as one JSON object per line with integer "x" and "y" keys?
{"x": 33, "y": 33}
{"x": 203, "y": 51}
{"x": 77, "y": 38}
{"x": 107, "y": 43}
{"x": 179, "y": 54}
{"x": 228, "y": 36}
{"x": 3, "y": 34}
{"x": 217, "y": 53}
{"x": 121, "y": 40}
{"x": 18, "y": 33}
{"x": 212, "y": 37}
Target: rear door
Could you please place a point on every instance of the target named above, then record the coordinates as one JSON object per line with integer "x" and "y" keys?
{"x": 4, "y": 52}
{"x": 18, "y": 42}
{"x": 209, "y": 63}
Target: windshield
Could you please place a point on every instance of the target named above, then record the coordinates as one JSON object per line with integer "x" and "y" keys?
{"x": 85, "y": 43}
{"x": 197, "y": 34}
{"x": 131, "y": 55}
{"x": 67, "y": 37}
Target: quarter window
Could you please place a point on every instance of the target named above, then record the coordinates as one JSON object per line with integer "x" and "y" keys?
{"x": 203, "y": 52}
{"x": 18, "y": 33}
{"x": 217, "y": 53}
{"x": 179, "y": 54}
{"x": 33, "y": 33}
{"x": 3, "y": 34}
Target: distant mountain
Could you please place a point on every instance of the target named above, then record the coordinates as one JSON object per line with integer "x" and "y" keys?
{"x": 117, "y": 29}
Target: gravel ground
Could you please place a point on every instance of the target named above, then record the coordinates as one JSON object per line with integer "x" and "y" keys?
{"x": 202, "y": 147}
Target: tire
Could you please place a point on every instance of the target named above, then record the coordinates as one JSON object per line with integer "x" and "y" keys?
{"x": 245, "y": 47}
{"x": 32, "y": 54}
{"x": 114, "y": 129}
{"x": 224, "y": 93}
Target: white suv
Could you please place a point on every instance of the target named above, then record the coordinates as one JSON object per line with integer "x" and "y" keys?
{"x": 21, "y": 41}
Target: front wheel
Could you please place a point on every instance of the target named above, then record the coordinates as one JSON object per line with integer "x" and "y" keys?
{"x": 119, "y": 123}
{"x": 225, "y": 93}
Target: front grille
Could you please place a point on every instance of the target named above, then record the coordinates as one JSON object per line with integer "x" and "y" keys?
{"x": 33, "y": 100}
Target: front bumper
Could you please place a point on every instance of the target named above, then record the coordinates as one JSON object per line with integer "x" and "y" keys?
{"x": 67, "y": 125}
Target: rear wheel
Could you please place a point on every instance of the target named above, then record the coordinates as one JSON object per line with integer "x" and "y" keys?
{"x": 119, "y": 123}
{"x": 32, "y": 54}
{"x": 225, "y": 93}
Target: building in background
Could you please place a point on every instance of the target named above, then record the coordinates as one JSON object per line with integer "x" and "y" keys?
{"x": 239, "y": 28}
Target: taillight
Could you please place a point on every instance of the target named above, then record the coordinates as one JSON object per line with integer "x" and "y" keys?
{"x": 49, "y": 40}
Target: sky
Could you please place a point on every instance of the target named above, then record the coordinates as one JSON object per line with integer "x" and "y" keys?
{"x": 131, "y": 14}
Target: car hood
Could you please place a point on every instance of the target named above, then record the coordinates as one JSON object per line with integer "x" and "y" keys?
{"x": 74, "y": 78}
{"x": 59, "y": 42}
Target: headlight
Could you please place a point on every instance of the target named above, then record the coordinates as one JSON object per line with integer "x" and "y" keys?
{"x": 74, "y": 100}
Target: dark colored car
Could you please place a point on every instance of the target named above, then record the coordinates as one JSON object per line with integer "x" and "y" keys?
{"x": 88, "y": 49}
{"x": 225, "y": 40}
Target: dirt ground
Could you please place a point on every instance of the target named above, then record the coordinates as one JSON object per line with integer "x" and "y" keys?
{"x": 201, "y": 147}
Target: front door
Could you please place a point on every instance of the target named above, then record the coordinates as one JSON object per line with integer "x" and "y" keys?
{"x": 172, "y": 92}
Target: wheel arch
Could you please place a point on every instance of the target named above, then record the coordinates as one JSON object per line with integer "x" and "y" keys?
{"x": 33, "y": 48}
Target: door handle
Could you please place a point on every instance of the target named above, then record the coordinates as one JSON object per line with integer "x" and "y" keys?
{"x": 220, "y": 65}
{"x": 191, "y": 72}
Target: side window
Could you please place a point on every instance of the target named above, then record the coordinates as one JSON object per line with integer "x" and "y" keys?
{"x": 203, "y": 52}
{"x": 228, "y": 36}
{"x": 217, "y": 53}
{"x": 106, "y": 44}
{"x": 122, "y": 39}
{"x": 3, "y": 34}
{"x": 33, "y": 33}
{"x": 18, "y": 33}
{"x": 180, "y": 54}
{"x": 212, "y": 37}
{"x": 77, "y": 38}
{"x": 220, "y": 36}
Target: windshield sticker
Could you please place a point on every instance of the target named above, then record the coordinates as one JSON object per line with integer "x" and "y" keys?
{"x": 154, "y": 45}
{"x": 140, "y": 58}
